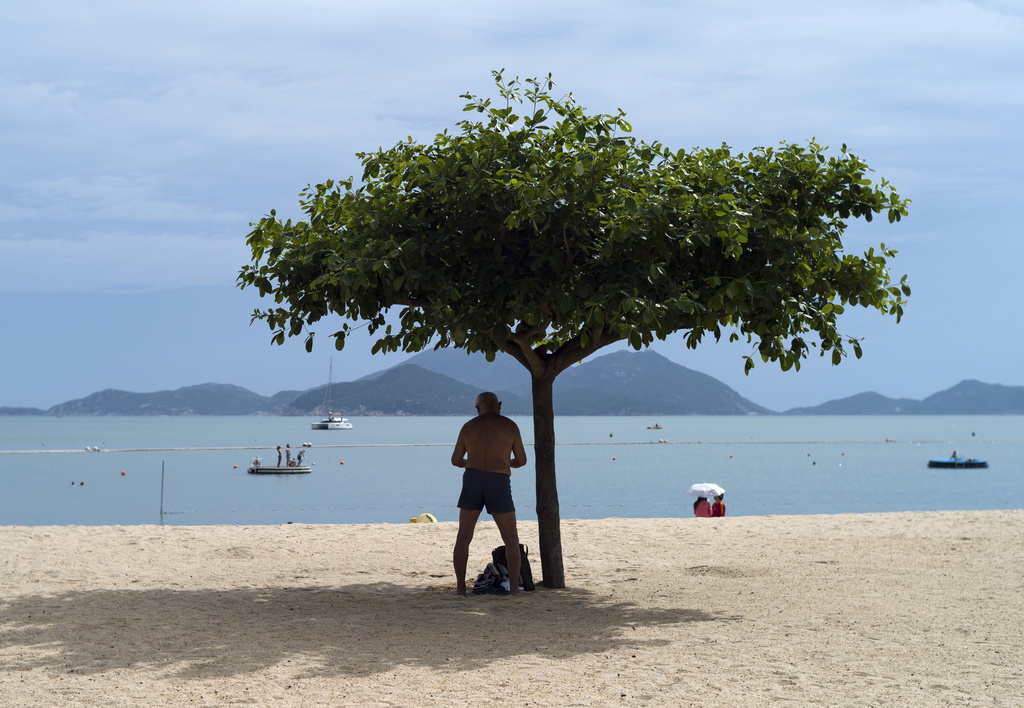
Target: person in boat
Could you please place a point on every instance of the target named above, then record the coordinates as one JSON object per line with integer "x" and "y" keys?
{"x": 488, "y": 447}
{"x": 701, "y": 508}
{"x": 718, "y": 508}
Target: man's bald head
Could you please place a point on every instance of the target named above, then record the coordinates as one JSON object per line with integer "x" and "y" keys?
{"x": 488, "y": 401}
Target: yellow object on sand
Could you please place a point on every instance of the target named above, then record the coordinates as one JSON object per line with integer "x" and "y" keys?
{"x": 426, "y": 519}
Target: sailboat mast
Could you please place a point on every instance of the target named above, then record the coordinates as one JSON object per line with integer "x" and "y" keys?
{"x": 330, "y": 383}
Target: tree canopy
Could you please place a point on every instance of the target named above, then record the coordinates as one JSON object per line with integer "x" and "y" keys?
{"x": 539, "y": 230}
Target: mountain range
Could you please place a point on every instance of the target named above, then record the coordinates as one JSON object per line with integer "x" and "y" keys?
{"x": 445, "y": 382}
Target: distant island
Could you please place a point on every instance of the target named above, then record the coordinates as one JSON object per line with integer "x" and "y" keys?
{"x": 445, "y": 382}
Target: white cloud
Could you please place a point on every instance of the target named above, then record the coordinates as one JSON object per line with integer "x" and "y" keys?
{"x": 118, "y": 262}
{"x": 118, "y": 199}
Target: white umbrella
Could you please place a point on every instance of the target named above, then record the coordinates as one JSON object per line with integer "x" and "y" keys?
{"x": 705, "y": 489}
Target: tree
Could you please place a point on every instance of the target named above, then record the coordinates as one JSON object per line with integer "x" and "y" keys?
{"x": 554, "y": 233}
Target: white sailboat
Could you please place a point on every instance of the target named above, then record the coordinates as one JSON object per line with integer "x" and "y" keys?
{"x": 332, "y": 421}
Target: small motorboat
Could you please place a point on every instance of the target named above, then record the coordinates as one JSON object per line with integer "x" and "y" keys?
{"x": 656, "y": 426}
{"x": 275, "y": 469}
{"x": 958, "y": 463}
{"x": 293, "y": 467}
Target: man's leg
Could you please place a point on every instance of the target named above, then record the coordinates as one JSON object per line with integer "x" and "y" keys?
{"x": 506, "y": 523}
{"x": 460, "y": 556}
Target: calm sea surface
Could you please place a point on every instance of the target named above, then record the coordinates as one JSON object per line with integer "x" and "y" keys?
{"x": 192, "y": 470}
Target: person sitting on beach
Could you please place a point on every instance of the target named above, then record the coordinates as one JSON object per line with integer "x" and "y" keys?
{"x": 701, "y": 507}
{"x": 488, "y": 447}
{"x": 718, "y": 508}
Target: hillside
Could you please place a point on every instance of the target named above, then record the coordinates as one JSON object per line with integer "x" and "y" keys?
{"x": 645, "y": 383}
{"x": 966, "y": 398}
{"x": 869, "y": 403}
{"x": 205, "y": 399}
{"x": 620, "y": 383}
{"x": 406, "y": 389}
{"x": 445, "y": 383}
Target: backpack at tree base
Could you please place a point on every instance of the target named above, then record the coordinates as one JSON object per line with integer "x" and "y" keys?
{"x": 525, "y": 574}
{"x": 493, "y": 581}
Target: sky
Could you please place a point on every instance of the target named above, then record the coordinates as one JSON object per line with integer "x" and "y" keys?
{"x": 139, "y": 141}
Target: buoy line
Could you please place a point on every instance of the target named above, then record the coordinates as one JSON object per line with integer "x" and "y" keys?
{"x": 561, "y": 444}
{"x": 448, "y": 445}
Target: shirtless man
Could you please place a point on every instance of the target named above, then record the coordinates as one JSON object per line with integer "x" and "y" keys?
{"x": 489, "y": 446}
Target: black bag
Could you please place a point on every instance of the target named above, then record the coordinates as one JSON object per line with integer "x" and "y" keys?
{"x": 491, "y": 581}
{"x": 525, "y": 574}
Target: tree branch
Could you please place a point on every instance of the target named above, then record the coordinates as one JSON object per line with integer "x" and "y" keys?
{"x": 573, "y": 351}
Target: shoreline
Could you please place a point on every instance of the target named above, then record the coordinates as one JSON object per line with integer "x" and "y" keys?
{"x": 918, "y": 608}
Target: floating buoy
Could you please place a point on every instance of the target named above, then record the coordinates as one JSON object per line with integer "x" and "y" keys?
{"x": 342, "y": 462}
{"x": 615, "y": 458}
{"x": 426, "y": 519}
{"x": 235, "y": 466}
{"x": 122, "y": 473}
{"x": 730, "y": 457}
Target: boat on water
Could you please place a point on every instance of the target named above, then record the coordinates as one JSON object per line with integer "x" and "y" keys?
{"x": 656, "y": 426}
{"x": 958, "y": 463}
{"x": 292, "y": 465}
{"x": 279, "y": 469}
{"x": 332, "y": 421}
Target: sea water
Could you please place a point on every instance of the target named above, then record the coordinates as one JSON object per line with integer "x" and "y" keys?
{"x": 192, "y": 470}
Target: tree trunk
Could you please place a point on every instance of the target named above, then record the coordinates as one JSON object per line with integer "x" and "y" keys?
{"x": 548, "y": 519}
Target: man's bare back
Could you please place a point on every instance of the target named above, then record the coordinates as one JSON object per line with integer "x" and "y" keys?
{"x": 485, "y": 443}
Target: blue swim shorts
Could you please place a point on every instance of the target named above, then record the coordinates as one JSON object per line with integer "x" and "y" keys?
{"x": 486, "y": 489}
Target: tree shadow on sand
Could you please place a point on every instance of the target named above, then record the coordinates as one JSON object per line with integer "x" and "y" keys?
{"x": 352, "y": 630}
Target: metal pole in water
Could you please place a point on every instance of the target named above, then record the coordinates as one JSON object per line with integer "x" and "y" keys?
{"x": 162, "y": 463}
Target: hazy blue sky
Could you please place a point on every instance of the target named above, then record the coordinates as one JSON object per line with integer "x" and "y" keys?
{"x": 139, "y": 140}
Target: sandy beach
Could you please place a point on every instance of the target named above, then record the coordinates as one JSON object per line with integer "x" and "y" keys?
{"x": 922, "y": 609}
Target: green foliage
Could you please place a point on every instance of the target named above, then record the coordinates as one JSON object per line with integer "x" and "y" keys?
{"x": 542, "y": 231}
